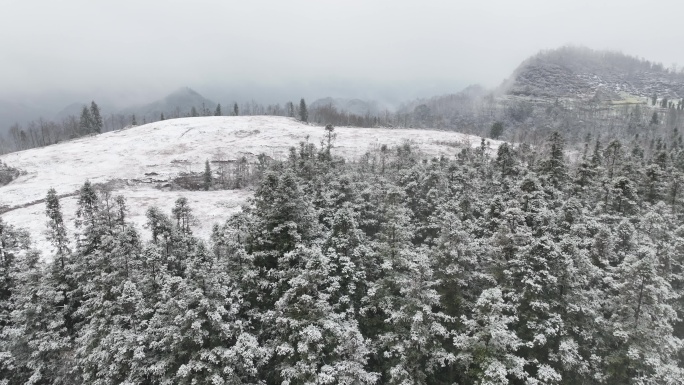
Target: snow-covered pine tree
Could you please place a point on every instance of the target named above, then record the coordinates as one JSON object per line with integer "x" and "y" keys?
{"x": 303, "y": 111}
{"x": 197, "y": 333}
{"x": 40, "y": 340}
{"x": 85, "y": 124}
{"x": 108, "y": 295}
{"x": 488, "y": 345}
{"x": 96, "y": 122}
{"x": 207, "y": 177}
{"x": 411, "y": 337}
{"x": 57, "y": 233}
{"x": 14, "y": 244}
{"x": 315, "y": 339}
{"x": 554, "y": 167}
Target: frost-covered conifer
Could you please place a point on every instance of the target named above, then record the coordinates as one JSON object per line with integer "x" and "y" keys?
{"x": 207, "y": 177}
{"x": 13, "y": 245}
{"x": 315, "y": 339}
{"x": 96, "y": 118}
{"x": 85, "y": 123}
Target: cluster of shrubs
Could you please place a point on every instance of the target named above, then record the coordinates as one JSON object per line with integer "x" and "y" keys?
{"x": 8, "y": 173}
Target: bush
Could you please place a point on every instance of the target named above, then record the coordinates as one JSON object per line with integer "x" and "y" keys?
{"x": 8, "y": 174}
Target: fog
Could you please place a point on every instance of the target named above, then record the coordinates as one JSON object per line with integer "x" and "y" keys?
{"x": 126, "y": 52}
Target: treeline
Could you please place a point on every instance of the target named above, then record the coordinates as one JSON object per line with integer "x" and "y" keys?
{"x": 518, "y": 268}
{"x": 225, "y": 174}
{"x": 472, "y": 111}
{"x": 532, "y": 121}
{"x": 41, "y": 132}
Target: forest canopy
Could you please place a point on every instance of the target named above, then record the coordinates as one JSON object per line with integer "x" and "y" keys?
{"x": 519, "y": 267}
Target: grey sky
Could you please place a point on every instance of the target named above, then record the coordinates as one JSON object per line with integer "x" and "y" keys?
{"x": 132, "y": 49}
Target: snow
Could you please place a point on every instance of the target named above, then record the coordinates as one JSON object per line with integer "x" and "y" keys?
{"x": 164, "y": 149}
{"x": 208, "y": 208}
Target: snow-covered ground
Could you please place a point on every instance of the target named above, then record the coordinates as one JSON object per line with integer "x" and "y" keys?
{"x": 208, "y": 208}
{"x": 166, "y": 148}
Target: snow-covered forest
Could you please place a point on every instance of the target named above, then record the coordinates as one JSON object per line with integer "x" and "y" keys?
{"x": 397, "y": 268}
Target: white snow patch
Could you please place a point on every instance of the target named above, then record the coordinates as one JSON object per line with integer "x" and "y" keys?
{"x": 164, "y": 149}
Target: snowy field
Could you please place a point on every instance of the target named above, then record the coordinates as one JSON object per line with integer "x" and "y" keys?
{"x": 164, "y": 149}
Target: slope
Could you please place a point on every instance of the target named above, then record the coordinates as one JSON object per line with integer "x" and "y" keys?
{"x": 583, "y": 72}
{"x": 134, "y": 162}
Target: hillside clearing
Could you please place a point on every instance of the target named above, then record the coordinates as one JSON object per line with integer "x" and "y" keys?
{"x": 135, "y": 160}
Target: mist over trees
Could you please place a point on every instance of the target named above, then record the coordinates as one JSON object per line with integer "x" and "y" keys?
{"x": 576, "y": 91}
{"x": 574, "y": 103}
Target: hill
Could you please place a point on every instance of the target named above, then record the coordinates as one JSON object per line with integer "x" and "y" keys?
{"x": 175, "y": 105}
{"x": 583, "y": 72}
{"x": 579, "y": 92}
{"x": 352, "y": 106}
{"x": 142, "y": 162}
{"x": 12, "y": 112}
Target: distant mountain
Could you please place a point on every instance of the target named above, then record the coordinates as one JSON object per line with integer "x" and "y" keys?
{"x": 177, "y": 104}
{"x": 578, "y": 72}
{"x": 73, "y": 109}
{"x": 468, "y": 94}
{"x": 353, "y": 106}
{"x": 445, "y": 111}
{"x": 17, "y": 112}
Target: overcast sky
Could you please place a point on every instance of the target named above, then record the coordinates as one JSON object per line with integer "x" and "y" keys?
{"x": 135, "y": 49}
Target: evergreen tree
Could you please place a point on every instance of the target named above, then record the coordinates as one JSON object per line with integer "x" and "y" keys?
{"x": 613, "y": 156}
{"x": 555, "y": 167}
{"x": 596, "y": 157}
{"x": 642, "y": 317}
{"x": 197, "y": 334}
{"x": 496, "y": 130}
{"x": 107, "y": 302}
{"x": 218, "y": 110}
{"x": 303, "y": 112}
{"x": 60, "y": 276}
{"x": 505, "y": 160}
{"x": 88, "y": 218}
{"x": 316, "y": 340}
{"x": 97, "y": 123}
{"x": 654, "y": 118}
{"x": 330, "y": 138}
{"x": 13, "y": 244}
{"x": 488, "y": 344}
{"x": 289, "y": 107}
{"x": 207, "y": 177}
{"x": 57, "y": 233}
{"x": 411, "y": 338}
{"x": 40, "y": 343}
{"x": 86, "y": 124}
{"x": 182, "y": 212}
{"x": 236, "y": 111}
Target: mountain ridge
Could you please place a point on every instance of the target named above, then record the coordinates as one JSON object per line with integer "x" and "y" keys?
{"x": 177, "y": 104}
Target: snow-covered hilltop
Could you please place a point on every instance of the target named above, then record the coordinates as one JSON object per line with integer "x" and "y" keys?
{"x": 136, "y": 162}
{"x": 579, "y": 72}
